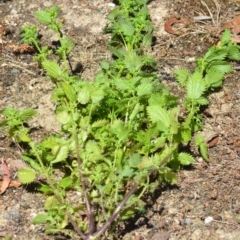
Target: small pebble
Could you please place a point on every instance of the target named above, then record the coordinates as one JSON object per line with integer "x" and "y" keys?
{"x": 187, "y": 220}
{"x": 111, "y": 5}
{"x": 13, "y": 11}
{"x": 208, "y": 220}
{"x": 15, "y": 71}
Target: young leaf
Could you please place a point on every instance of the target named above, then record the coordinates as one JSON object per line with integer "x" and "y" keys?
{"x": 69, "y": 91}
{"x": 66, "y": 182}
{"x": 40, "y": 218}
{"x": 133, "y": 61}
{"x": 126, "y": 27}
{"x": 97, "y": 95}
{"x": 202, "y": 101}
{"x": 84, "y": 95}
{"x": 145, "y": 163}
{"x": 173, "y": 114}
{"x": 27, "y": 114}
{"x": 145, "y": 88}
{"x": 213, "y": 78}
{"x": 43, "y": 16}
{"x": 170, "y": 177}
{"x": 135, "y": 111}
{"x": 198, "y": 139}
{"x": 61, "y": 153}
{"x": 52, "y": 69}
{"x": 104, "y": 65}
{"x": 204, "y": 150}
{"x": 159, "y": 115}
{"x": 234, "y": 53}
{"x": 63, "y": 117}
{"x": 134, "y": 160}
{"x": 26, "y": 175}
{"x": 67, "y": 44}
{"x": 181, "y": 76}
{"x": 50, "y": 203}
{"x": 225, "y": 39}
{"x": 185, "y": 158}
{"x": 195, "y": 86}
{"x": 220, "y": 66}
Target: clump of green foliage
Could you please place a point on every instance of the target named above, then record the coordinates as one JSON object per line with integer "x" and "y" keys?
{"x": 117, "y": 131}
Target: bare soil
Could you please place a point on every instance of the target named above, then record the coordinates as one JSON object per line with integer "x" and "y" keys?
{"x": 205, "y": 204}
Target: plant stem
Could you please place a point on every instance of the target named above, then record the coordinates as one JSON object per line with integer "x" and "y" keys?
{"x": 115, "y": 214}
{"x": 88, "y": 205}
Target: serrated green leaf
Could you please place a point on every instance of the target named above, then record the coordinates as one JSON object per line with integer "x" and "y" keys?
{"x": 61, "y": 153}
{"x": 204, "y": 150}
{"x": 118, "y": 128}
{"x": 52, "y": 69}
{"x": 220, "y": 66}
{"x": 104, "y": 65}
{"x": 43, "y": 17}
{"x": 215, "y": 54}
{"x": 195, "y": 85}
{"x": 99, "y": 123}
{"x": 181, "y": 76}
{"x": 170, "y": 177}
{"x": 127, "y": 172}
{"x": 97, "y": 95}
{"x": 27, "y": 114}
{"x": 173, "y": 114}
{"x": 84, "y": 95}
{"x": 185, "y": 158}
{"x": 40, "y": 218}
{"x": 122, "y": 84}
{"x": 234, "y": 53}
{"x": 69, "y": 91}
{"x": 63, "y": 117}
{"x": 126, "y": 27}
{"x": 113, "y": 14}
{"x": 66, "y": 182}
{"x": 134, "y": 160}
{"x": 135, "y": 111}
{"x": 57, "y": 94}
{"x": 23, "y": 137}
{"x": 213, "y": 78}
{"x": 159, "y": 115}
{"x": 132, "y": 61}
{"x": 145, "y": 88}
{"x": 45, "y": 189}
{"x": 186, "y": 135}
{"x": 202, "y": 101}
{"x": 67, "y": 44}
{"x": 225, "y": 39}
{"x": 50, "y": 203}
{"x": 198, "y": 139}
{"x": 146, "y": 162}
{"x": 147, "y": 38}
{"x": 26, "y": 175}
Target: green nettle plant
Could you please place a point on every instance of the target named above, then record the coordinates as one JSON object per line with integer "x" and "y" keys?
{"x": 117, "y": 131}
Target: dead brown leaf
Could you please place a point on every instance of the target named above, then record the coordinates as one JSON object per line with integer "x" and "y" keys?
{"x": 6, "y": 177}
{"x": 234, "y": 24}
{"x": 169, "y": 23}
{"x": 13, "y": 183}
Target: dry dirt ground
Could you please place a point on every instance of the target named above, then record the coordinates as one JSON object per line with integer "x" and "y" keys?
{"x": 205, "y": 204}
